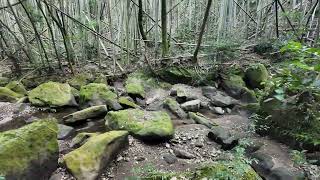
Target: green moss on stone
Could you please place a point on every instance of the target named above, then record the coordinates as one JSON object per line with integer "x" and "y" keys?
{"x": 82, "y": 138}
{"x": 96, "y": 91}
{"x": 52, "y": 94}
{"x": 134, "y": 85}
{"x": 126, "y": 102}
{"x": 4, "y": 81}
{"x": 87, "y": 161}
{"x": 79, "y": 80}
{"x": 9, "y": 95}
{"x": 256, "y": 74}
{"x": 17, "y": 87}
{"x": 24, "y": 146}
{"x": 144, "y": 124}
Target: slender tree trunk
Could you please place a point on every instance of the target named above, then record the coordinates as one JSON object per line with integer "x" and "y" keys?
{"x": 165, "y": 45}
{"x": 203, "y": 26}
{"x": 140, "y": 22}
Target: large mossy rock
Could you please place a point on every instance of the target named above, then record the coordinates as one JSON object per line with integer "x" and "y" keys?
{"x": 96, "y": 94}
{"x": 236, "y": 87}
{"x": 87, "y": 162}
{"x": 91, "y": 112}
{"x": 17, "y": 87}
{"x": 146, "y": 125}
{"x": 255, "y": 75}
{"x": 30, "y": 152}
{"x": 135, "y": 86}
{"x": 8, "y": 95}
{"x": 52, "y": 94}
{"x": 80, "y": 80}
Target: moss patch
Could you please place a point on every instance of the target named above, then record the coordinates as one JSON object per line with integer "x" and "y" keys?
{"x": 255, "y": 75}
{"x": 52, "y": 94}
{"x": 31, "y": 144}
{"x": 126, "y": 102}
{"x": 148, "y": 125}
{"x": 79, "y": 80}
{"x": 96, "y": 91}
{"x": 134, "y": 85}
{"x": 87, "y": 161}
{"x": 9, "y": 95}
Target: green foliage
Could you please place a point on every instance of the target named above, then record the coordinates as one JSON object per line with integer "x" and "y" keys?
{"x": 298, "y": 157}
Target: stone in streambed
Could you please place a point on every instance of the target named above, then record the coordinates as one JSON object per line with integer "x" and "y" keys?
{"x": 90, "y": 159}
{"x": 91, "y": 112}
{"x": 223, "y": 137}
{"x": 175, "y": 108}
{"x": 30, "y": 152}
{"x": 65, "y": 131}
{"x": 146, "y": 125}
{"x": 52, "y": 94}
{"x": 193, "y": 105}
{"x": 201, "y": 119}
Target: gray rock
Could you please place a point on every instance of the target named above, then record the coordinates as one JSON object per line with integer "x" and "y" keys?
{"x": 170, "y": 158}
{"x": 221, "y": 100}
{"x": 175, "y": 108}
{"x": 91, "y": 112}
{"x": 182, "y": 154}
{"x": 65, "y": 131}
{"x": 209, "y": 91}
{"x": 114, "y": 105}
{"x": 201, "y": 119}
{"x": 282, "y": 174}
{"x": 57, "y": 176}
{"x": 223, "y": 137}
{"x": 263, "y": 163}
{"x": 193, "y": 105}
{"x": 217, "y": 110}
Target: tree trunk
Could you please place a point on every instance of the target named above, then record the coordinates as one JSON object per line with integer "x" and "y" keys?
{"x": 140, "y": 22}
{"x": 203, "y": 26}
{"x": 165, "y": 45}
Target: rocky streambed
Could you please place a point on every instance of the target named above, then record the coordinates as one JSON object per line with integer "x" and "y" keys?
{"x": 136, "y": 129}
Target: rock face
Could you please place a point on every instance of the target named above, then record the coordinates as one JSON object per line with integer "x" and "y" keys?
{"x": 90, "y": 159}
{"x": 146, "y": 125}
{"x": 30, "y": 152}
{"x": 236, "y": 87}
{"x": 17, "y": 87}
{"x": 175, "y": 108}
{"x": 255, "y": 75}
{"x": 91, "y": 112}
{"x": 52, "y": 94}
{"x": 8, "y": 95}
{"x": 223, "y": 137}
{"x": 96, "y": 94}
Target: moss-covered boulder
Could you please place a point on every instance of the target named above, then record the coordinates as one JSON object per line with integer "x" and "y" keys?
{"x": 255, "y": 75}
{"x": 17, "y": 87}
{"x": 134, "y": 86}
{"x": 8, "y": 95}
{"x": 52, "y": 94}
{"x": 30, "y": 152}
{"x": 80, "y": 80}
{"x": 91, "y": 112}
{"x": 127, "y": 102}
{"x": 146, "y": 125}
{"x": 236, "y": 87}
{"x": 96, "y": 94}
{"x": 90, "y": 159}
